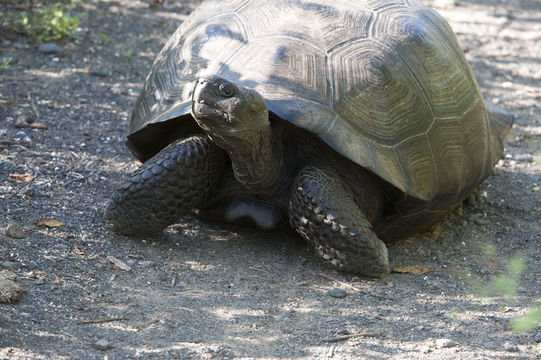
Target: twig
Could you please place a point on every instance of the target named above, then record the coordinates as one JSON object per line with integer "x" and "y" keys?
{"x": 340, "y": 282}
{"x": 352, "y": 287}
{"x": 33, "y": 105}
{"x": 346, "y": 337}
{"x": 459, "y": 252}
{"x": 95, "y": 256}
{"x": 118, "y": 263}
{"x": 101, "y": 321}
{"x": 499, "y": 326}
{"x": 77, "y": 177}
{"x": 20, "y": 78}
{"x": 148, "y": 323}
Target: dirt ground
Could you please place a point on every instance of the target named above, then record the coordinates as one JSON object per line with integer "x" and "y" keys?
{"x": 214, "y": 291}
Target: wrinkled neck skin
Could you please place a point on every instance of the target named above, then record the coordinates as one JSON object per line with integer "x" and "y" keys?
{"x": 256, "y": 158}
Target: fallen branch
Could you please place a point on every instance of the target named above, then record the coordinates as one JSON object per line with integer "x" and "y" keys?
{"x": 153, "y": 321}
{"x": 146, "y": 324}
{"x": 101, "y": 321}
{"x": 352, "y": 287}
{"x": 346, "y": 337}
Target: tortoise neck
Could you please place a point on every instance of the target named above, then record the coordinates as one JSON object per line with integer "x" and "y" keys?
{"x": 256, "y": 159}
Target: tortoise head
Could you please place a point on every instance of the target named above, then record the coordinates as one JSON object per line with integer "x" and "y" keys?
{"x": 223, "y": 109}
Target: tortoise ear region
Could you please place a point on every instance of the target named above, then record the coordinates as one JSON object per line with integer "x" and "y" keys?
{"x": 257, "y": 102}
{"x": 227, "y": 89}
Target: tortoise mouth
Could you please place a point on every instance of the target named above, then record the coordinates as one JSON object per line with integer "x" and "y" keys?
{"x": 203, "y": 110}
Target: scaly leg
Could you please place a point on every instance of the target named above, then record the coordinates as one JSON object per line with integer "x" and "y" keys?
{"x": 181, "y": 177}
{"x": 327, "y": 216}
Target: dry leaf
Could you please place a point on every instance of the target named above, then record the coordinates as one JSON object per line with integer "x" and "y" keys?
{"x": 22, "y": 177}
{"x": 57, "y": 282}
{"x": 50, "y": 223}
{"x": 416, "y": 270}
{"x": 78, "y": 250}
{"x": 38, "y": 125}
{"x": 435, "y": 232}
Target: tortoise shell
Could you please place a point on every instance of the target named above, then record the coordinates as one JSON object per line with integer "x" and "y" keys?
{"x": 384, "y": 83}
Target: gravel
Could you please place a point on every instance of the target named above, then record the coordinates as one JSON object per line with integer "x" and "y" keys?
{"x": 209, "y": 291}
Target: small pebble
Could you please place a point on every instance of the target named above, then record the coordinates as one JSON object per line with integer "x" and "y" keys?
{"x": 14, "y": 231}
{"x": 536, "y": 189}
{"x": 10, "y": 265}
{"x": 99, "y": 72}
{"x": 510, "y": 347}
{"x": 21, "y": 121}
{"x": 537, "y": 337}
{"x": 10, "y": 291}
{"x": 39, "y": 281}
{"x": 102, "y": 344}
{"x": 20, "y": 135}
{"x": 31, "y": 265}
{"x": 444, "y": 343}
{"x": 8, "y": 275}
{"x": 130, "y": 262}
{"x": 50, "y": 48}
{"x": 8, "y": 120}
{"x": 337, "y": 293}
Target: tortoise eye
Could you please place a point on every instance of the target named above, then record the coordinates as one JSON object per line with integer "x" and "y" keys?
{"x": 226, "y": 90}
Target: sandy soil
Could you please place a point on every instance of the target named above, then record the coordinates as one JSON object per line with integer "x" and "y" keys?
{"x": 215, "y": 291}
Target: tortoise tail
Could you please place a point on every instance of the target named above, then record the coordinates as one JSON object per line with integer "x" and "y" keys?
{"x": 500, "y": 124}
{"x": 500, "y": 121}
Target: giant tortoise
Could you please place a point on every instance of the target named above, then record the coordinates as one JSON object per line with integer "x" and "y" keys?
{"x": 355, "y": 122}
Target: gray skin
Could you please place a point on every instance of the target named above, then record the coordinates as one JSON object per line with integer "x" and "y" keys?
{"x": 244, "y": 168}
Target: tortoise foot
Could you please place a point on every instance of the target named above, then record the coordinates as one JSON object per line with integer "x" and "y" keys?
{"x": 326, "y": 215}
{"x": 473, "y": 198}
{"x": 178, "y": 179}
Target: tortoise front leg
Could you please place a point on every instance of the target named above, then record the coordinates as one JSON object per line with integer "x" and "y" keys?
{"x": 181, "y": 177}
{"x": 327, "y": 216}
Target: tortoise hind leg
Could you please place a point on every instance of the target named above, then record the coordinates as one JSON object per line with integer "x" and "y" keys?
{"x": 327, "y": 216}
{"x": 181, "y": 177}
